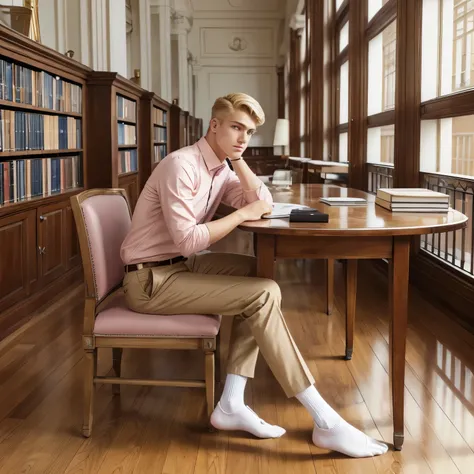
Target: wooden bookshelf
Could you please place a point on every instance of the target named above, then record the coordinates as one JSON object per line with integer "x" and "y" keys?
{"x": 179, "y": 125}
{"x": 155, "y": 133}
{"x": 114, "y": 142}
{"x": 43, "y": 154}
{"x": 194, "y": 129}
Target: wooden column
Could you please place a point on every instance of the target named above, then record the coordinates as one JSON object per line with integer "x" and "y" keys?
{"x": 358, "y": 95}
{"x": 295, "y": 93}
{"x": 408, "y": 94}
{"x": 281, "y": 91}
{"x": 318, "y": 78}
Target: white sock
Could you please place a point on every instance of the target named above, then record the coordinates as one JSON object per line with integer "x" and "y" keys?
{"x": 233, "y": 394}
{"x": 332, "y": 432}
{"x": 231, "y": 413}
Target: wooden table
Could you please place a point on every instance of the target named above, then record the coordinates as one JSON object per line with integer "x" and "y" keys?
{"x": 352, "y": 233}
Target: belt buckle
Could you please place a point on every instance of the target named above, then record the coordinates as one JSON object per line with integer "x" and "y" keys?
{"x": 140, "y": 266}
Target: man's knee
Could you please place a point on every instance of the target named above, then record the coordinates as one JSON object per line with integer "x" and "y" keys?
{"x": 271, "y": 288}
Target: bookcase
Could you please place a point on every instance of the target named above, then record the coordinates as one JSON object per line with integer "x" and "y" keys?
{"x": 179, "y": 126}
{"x": 194, "y": 129}
{"x": 114, "y": 142}
{"x": 42, "y": 160}
{"x": 155, "y": 133}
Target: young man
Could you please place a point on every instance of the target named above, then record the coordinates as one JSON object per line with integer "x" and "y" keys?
{"x": 172, "y": 222}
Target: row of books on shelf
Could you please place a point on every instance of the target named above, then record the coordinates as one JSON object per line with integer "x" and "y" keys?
{"x": 23, "y": 85}
{"x": 126, "y": 109}
{"x": 160, "y": 134}
{"x": 22, "y": 131}
{"x": 39, "y": 177}
{"x": 128, "y": 161}
{"x": 412, "y": 200}
{"x": 160, "y": 151}
{"x": 160, "y": 117}
{"x": 126, "y": 134}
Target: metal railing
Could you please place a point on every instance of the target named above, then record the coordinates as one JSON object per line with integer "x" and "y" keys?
{"x": 456, "y": 247}
{"x": 380, "y": 175}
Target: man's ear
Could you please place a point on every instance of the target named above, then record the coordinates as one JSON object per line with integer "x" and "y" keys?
{"x": 214, "y": 124}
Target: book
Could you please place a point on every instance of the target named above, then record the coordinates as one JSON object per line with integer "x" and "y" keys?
{"x": 419, "y": 195}
{"x": 343, "y": 201}
{"x": 412, "y": 206}
{"x": 283, "y": 209}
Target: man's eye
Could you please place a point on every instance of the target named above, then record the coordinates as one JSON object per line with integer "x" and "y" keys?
{"x": 235, "y": 127}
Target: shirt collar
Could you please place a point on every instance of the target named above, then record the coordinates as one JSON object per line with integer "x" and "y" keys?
{"x": 210, "y": 158}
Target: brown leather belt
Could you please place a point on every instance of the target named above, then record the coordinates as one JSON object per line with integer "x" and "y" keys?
{"x": 139, "y": 266}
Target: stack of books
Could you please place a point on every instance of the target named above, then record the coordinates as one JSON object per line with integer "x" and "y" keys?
{"x": 412, "y": 200}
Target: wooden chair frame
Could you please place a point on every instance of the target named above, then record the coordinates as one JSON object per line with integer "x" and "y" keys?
{"x": 91, "y": 342}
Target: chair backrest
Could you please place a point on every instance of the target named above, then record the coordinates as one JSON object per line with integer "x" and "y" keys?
{"x": 103, "y": 219}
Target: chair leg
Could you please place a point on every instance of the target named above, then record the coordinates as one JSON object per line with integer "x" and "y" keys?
{"x": 117, "y": 365}
{"x": 90, "y": 372}
{"x": 329, "y": 285}
{"x": 218, "y": 360}
{"x": 210, "y": 381}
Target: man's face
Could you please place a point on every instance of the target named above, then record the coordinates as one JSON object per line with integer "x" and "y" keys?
{"x": 233, "y": 132}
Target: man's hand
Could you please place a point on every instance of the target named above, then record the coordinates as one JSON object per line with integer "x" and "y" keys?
{"x": 255, "y": 210}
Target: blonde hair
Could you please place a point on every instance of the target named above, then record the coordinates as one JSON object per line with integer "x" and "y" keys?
{"x": 238, "y": 101}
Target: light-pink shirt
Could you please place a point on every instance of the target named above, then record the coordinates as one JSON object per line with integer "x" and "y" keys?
{"x": 183, "y": 193}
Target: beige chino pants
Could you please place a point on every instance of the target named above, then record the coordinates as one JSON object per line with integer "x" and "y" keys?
{"x": 220, "y": 283}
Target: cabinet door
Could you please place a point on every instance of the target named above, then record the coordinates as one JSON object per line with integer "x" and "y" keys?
{"x": 72, "y": 241}
{"x": 17, "y": 257}
{"x": 52, "y": 232}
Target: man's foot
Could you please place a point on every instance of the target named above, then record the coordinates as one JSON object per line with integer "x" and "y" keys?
{"x": 347, "y": 440}
{"x": 244, "y": 419}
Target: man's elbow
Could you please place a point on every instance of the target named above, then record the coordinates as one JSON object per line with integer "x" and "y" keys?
{"x": 192, "y": 244}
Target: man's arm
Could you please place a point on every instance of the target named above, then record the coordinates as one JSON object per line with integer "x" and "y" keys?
{"x": 243, "y": 187}
{"x": 219, "y": 228}
{"x": 246, "y": 176}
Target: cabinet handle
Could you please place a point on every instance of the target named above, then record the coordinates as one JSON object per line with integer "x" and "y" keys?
{"x": 42, "y": 250}
{"x": 43, "y": 218}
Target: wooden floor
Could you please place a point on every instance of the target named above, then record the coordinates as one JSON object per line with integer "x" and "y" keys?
{"x": 163, "y": 430}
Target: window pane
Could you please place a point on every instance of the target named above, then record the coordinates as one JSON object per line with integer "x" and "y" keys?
{"x": 343, "y": 146}
{"x": 338, "y": 4}
{"x": 380, "y": 144}
{"x": 447, "y": 47}
{"x": 344, "y": 36}
{"x": 447, "y": 145}
{"x": 375, "y": 6}
{"x": 429, "y": 50}
{"x": 382, "y": 70}
{"x": 344, "y": 93}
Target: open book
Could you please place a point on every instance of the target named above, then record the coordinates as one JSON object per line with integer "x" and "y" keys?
{"x": 283, "y": 209}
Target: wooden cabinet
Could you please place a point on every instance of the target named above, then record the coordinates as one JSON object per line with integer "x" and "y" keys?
{"x": 37, "y": 246}
{"x": 17, "y": 250}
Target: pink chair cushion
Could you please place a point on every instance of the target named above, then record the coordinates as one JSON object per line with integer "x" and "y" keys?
{"x": 118, "y": 320}
{"x": 107, "y": 220}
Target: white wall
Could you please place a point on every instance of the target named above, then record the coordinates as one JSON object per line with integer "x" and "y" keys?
{"x": 251, "y": 70}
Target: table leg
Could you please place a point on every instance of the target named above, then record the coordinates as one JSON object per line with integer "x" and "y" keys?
{"x": 266, "y": 256}
{"x": 351, "y": 291}
{"x": 399, "y": 309}
{"x": 329, "y": 285}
